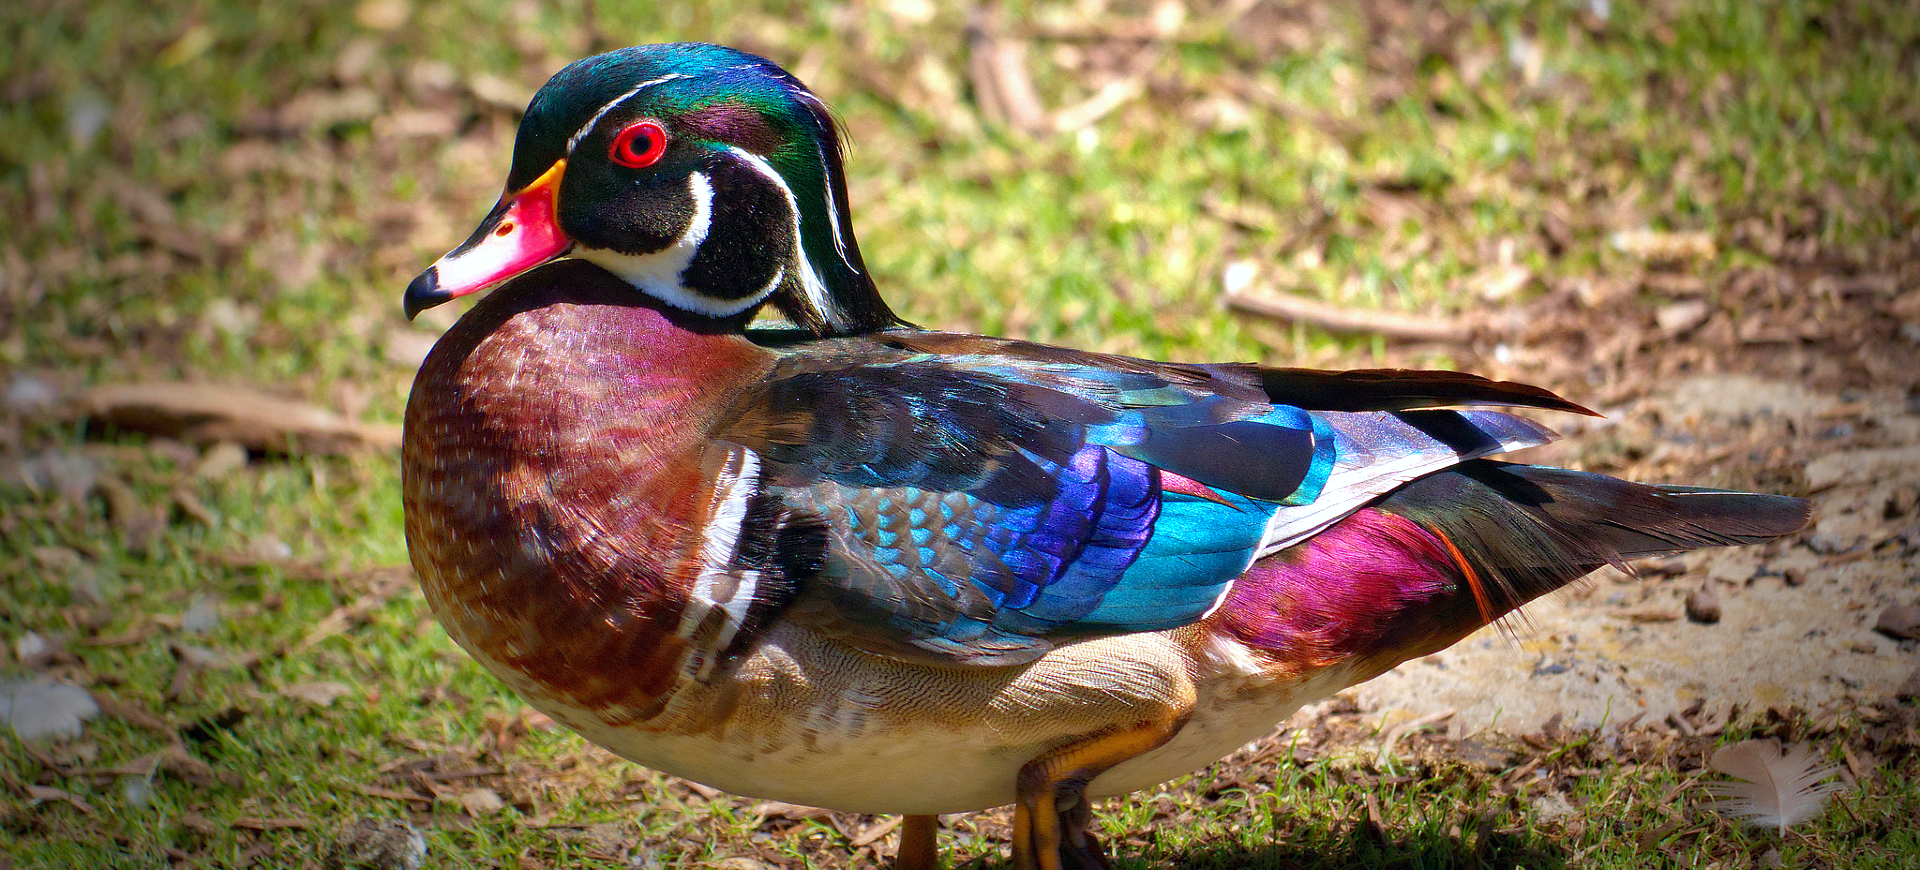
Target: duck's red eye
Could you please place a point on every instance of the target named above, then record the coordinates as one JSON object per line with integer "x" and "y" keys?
{"x": 639, "y": 145}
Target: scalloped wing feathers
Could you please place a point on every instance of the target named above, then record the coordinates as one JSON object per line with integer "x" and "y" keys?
{"x": 986, "y": 498}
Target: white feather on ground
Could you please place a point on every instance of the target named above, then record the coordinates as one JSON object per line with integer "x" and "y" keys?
{"x": 37, "y": 710}
{"x": 1781, "y": 788}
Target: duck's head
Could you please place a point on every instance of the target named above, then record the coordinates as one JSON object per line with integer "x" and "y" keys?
{"x": 705, "y": 177}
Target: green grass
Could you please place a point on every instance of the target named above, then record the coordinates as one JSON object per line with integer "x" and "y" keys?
{"x": 230, "y": 192}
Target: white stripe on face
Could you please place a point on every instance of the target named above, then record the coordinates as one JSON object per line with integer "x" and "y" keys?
{"x": 833, "y": 207}
{"x": 594, "y": 121}
{"x": 816, "y": 290}
{"x": 826, "y": 181}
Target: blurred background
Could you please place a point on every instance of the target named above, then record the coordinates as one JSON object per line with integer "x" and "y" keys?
{"x": 1698, "y": 218}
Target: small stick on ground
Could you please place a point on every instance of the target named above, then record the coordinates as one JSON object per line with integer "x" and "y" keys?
{"x": 1338, "y": 319}
{"x": 1405, "y": 728}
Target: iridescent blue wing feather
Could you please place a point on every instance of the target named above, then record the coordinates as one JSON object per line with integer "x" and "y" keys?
{"x": 984, "y": 499}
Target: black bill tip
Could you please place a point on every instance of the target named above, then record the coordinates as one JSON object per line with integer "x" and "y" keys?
{"x": 424, "y": 293}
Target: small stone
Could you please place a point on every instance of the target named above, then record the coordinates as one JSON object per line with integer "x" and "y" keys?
{"x": 1482, "y": 755}
{"x": 1731, "y": 570}
{"x": 29, "y": 645}
{"x": 221, "y": 460}
{"x": 1681, "y": 318}
{"x": 1653, "y": 614}
{"x": 1672, "y": 566}
{"x": 231, "y": 318}
{"x": 27, "y": 394}
{"x": 1794, "y": 576}
{"x": 1703, "y": 606}
{"x": 1900, "y": 623}
{"x": 1909, "y": 690}
{"x": 1238, "y": 276}
{"x": 376, "y": 844}
{"x": 1829, "y": 545}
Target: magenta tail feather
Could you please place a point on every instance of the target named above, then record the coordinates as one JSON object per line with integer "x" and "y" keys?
{"x": 1442, "y": 556}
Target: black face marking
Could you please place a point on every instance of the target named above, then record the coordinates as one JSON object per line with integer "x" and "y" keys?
{"x": 750, "y": 239}
{"x": 708, "y": 99}
{"x": 603, "y": 205}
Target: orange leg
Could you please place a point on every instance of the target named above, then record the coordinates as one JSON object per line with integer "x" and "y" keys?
{"x": 1051, "y": 812}
{"x": 919, "y": 844}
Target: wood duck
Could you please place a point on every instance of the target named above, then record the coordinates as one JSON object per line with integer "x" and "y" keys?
{"x": 863, "y": 566}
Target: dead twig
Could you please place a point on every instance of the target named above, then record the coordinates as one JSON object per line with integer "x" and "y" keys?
{"x": 1085, "y": 113}
{"x": 1337, "y": 319}
{"x": 389, "y": 794}
{"x": 1403, "y": 729}
{"x": 202, "y": 413}
{"x": 873, "y": 833}
{"x": 1001, "y": 83}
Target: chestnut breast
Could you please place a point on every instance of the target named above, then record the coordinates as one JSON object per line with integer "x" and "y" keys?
{"x": 556, "y": 483}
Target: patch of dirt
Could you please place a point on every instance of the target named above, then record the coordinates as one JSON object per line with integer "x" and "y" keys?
{"x": 1797, "y": 618}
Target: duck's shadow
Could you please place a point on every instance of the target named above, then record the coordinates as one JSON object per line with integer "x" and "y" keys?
{"x": 1357, "y": 847}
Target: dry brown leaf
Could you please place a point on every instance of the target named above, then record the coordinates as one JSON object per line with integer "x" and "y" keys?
{"x": 131, "y": 712}
{"x": 1681, "y": 318}
{"x": 139, "y": 524}
{"x": 1662, "y": 247}
{"x": 252, "y": 823}
{"x": 44, "y": 793}
{"x": 320, "y": 693}
{"x": 1496, "y": 283}
{"x": 328, "y": 108}
{"x": 373, "y": 842}
{"x": 499, "y": 92}
{"x": 740, "y": 863}
{"x": 480, "y": 802}
{"x": 220, "y": 460}
{"x": 784, "y": 810}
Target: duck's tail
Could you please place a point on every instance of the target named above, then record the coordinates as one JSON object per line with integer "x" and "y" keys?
{"x": 1441, "y": 556}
